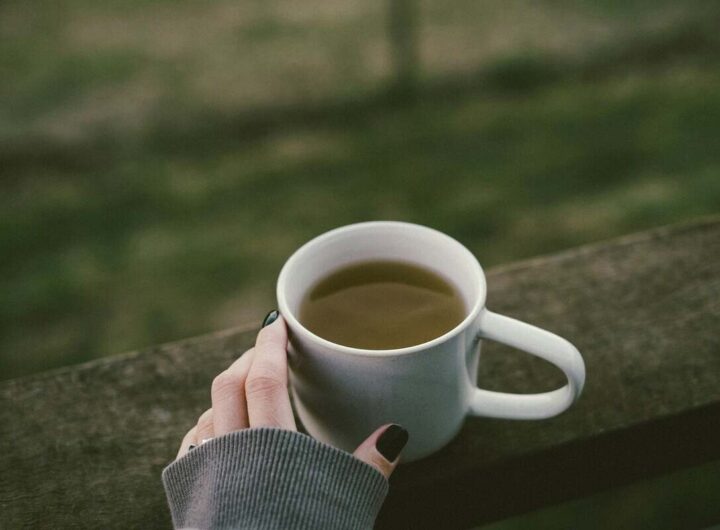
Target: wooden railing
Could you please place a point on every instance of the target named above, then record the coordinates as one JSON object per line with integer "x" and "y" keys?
{"x": 83, "y": 447}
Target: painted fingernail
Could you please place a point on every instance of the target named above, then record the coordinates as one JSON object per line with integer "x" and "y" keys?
{"x": 270, "y": 318}
{"x": 392, "y": 441}
{"x": 191, "y": 447}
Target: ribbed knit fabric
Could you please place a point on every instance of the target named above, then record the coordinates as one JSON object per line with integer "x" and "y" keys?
{"x": 272, "y": 478}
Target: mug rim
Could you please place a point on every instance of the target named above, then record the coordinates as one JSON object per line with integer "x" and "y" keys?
{"x": 296, "y": 325}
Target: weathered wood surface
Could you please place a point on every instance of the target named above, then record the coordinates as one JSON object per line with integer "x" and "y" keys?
{"x": 84, "y": 446}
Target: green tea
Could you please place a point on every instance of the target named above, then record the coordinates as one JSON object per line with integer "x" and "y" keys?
{"x": 380, "y": 305}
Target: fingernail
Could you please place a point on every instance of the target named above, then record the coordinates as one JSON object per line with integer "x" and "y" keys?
{"x": 191, "y": 447}
{"x": 392, "y": 441}
{"x": 270, "y": 318}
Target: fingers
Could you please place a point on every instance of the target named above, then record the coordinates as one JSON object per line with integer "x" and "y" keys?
{"x": 268, "y": 402}
{"x": 382, "y": 448}
{"x": 252, "y": 392}
{"x": 228, "y": 397}
{"x": 202, "y": 431}
{"x": 205, "y": 426}
{"x": 190, "y": 438}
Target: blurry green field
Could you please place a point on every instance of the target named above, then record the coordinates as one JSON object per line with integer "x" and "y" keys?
{"x": 160, "y": 160}
{"x": 77, "y": 70}
{"x": 125, "y": 223}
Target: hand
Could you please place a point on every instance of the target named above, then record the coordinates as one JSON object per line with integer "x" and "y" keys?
{"x": 253, "y": 392}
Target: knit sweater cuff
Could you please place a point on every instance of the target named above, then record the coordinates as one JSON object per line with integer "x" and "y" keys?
{"x": 272, "y": 478}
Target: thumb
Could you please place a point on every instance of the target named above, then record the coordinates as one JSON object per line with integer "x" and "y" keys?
{"x": 382, "y": 448}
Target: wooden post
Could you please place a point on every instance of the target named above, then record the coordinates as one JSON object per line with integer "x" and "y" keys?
{"x": 403, "y": 36}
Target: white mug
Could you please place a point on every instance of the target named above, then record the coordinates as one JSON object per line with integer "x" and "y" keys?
{"x": 342, "y": 394}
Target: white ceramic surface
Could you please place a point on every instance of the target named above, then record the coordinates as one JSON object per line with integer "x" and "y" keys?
{"x": 342, "y": 394}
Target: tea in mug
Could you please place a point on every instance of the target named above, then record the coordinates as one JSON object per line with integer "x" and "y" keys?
{"x": 382, "y": 305}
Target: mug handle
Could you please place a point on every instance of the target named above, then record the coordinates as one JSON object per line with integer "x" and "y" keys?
{"x": 540, "y": 343}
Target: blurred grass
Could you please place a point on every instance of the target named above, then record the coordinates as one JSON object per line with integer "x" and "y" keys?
{"x": 161, "y": 160}
{"x": 153, "y": 247}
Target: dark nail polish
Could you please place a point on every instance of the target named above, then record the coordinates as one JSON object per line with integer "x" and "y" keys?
{"x": 392, "y": 441}
{"x": 191, "y": 447}
{"x": 270, "y": 318}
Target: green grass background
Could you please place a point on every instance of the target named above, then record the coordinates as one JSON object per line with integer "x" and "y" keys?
{"x": 160, "y": 160}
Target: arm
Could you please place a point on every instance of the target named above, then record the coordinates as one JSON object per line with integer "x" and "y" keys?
{"x": 256, "y": 471}
{"x": 272, "y": 478}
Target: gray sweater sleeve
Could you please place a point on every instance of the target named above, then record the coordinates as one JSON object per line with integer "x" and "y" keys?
{"x": 271, "y": 478}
